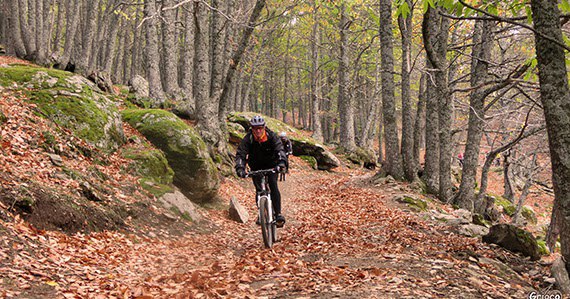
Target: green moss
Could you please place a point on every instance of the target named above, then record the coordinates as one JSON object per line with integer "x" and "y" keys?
{"x": 156, "y": 189}
{"x": 542, "y": 248}
{"x": 310, "y": 160}
{"x": 20, "y": 73}
{"x": 3, "y": 117}
{"x": 529, "y": 214}
{"x": 508, "y": 207}
{"x": 416, "y": 204}
{"x": 150, "y": 164}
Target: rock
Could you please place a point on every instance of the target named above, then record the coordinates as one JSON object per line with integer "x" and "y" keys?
{"x": 473, "y": 230}
{"x": 181, "y": 203}
{"x": 237, "y": 211}
{"x": 89, "y": 192}
{"x": 528, "y": 213}
{"x": 514, "y": 239}
{"x": 195, "y": 173}
{"x": 102, "y": 80}
{"x": 139, "y": 86}
{"x": 412, "y": 202}
{"x": 185, "y": 109}
{"x": 561, "y": 275}
{"x": 56, "y": 159}
{"x": 462, "y": 214}
{"x": 480, "y": 220}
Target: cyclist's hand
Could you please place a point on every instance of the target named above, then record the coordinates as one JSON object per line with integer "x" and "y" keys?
{"x": 281, "y": 167}
{"x": 241, "y": 172}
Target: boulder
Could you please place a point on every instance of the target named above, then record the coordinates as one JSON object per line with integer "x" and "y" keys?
{"x": 102, "y": 80}
{"x": 139, "y": 87}
{"x": 237, "y": 211}
{"x": 194, "y": 170}
{"x": 177, "y": 201}
{"x": 71, "y": 101}
{"x": 514, "y": 239}
{"x": 473, "y": 230}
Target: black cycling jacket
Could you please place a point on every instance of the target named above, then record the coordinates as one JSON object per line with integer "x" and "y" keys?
{"x": 260, "y": 155}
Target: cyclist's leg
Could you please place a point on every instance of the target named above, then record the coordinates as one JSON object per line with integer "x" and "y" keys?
{"x": 275, "y": 195}
{"x": 257, "y": 184}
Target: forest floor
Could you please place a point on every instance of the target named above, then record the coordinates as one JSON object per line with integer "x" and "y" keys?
{"x": 344, "y": 238}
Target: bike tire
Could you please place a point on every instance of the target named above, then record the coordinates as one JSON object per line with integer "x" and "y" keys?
{"x": 266, "y": 231}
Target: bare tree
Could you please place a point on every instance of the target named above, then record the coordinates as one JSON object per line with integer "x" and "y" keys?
{"x": 346, "y": 109}
{"x": 393, "y": 162}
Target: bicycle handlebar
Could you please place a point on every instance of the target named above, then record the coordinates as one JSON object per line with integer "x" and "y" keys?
{"x": 261, "y": 172}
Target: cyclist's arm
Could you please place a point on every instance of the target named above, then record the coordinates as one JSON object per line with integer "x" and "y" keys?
{"x": 278, "y": 148}
{"x": 242, "y": 152}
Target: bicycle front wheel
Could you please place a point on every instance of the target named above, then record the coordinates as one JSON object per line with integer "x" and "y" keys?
{"x": 264, "y": 217}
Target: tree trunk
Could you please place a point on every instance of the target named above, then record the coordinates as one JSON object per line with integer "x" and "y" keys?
{"x": 405, "y": 25}
{"x": 314, "y": 77}
{"x": 188, "y": 55}
{"x": 217, "y": 39}
{"x": 152, "y": 54}
{"x": 236, "y": 57}
{"x": 169, "y": 53}
{"x": 15, "y": 30}
{"x": 58, "y": 26}
{"x": 28, "y": 40}
{"x": 73, "y": 10}
{"x": 110, "y": 42}
{"x": 346, "y": 108}
{"x": 482, "y": 46}
{"x": 555, "y": 97}
{"x": 83, "y": 63}
{"x": 420, "y": 121}
{"x": 393, "y": 161}
{"x": 508, "y": 194}
{"x": 435, "y": 30}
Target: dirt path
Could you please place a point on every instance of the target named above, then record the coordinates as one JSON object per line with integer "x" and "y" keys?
{"x": 343, "y": 239}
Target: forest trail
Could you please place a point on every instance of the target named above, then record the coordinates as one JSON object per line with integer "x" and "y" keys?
{"x": 343, "y": 239}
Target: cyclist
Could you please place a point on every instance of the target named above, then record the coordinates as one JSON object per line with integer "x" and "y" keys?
{"x": 288, "y": 148}
{"x": 262, "y": 149}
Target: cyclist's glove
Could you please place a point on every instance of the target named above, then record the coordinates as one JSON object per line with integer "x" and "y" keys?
{"x": 281, "y": 167}
{"x": 241, "y": 172}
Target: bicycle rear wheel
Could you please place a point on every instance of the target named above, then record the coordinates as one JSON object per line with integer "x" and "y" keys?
{"x": 266, "y": 230}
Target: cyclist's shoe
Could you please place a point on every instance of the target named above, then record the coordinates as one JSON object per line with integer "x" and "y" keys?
{"x": 279, "y": 220}
{"x": 257, "y": 221}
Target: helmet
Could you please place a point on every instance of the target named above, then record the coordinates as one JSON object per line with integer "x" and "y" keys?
{"x": 257, "y": 121}
{"x": 282, "y": 134}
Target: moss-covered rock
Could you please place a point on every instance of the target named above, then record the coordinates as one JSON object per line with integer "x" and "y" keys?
{"x": 310, "y": 160}
{"x": 194, "y": 171}
{"x": 71, "y": 101}
{"x": 514, "y": 239}
{"x": 528, "y": 213}
{"x": 508, "y": 207}
{"x": 414, "y": 203}
{"x": 364, "y": 157}
{"x": 236, "y": 133}
{"x": 302, "y": 146}
{"x": 151, "y": 164}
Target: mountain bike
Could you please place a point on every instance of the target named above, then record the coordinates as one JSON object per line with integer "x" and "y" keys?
{"x": 265, "y": 206}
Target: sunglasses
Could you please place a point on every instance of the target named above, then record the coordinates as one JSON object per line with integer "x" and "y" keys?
{"x": 257, "y": 128}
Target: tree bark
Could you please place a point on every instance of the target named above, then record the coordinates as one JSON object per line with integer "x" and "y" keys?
{"x": 420, "y": 121}
{"x": 169, "y": 46}
{"x": 217, "y": 38}
{"x": 83, "y": 64}
{"x": 29, "y": 42}
{"x": 152, "y": 54}
{"x": 407, "y": 149}
{"x": 435, "y": 30}
{"x": 482, "y": 46}
{"x": 555, "y": 98}
{"x": 15, "y": 30}
{"x": 346, "y": 108}
{"x": 314, "y": 76}
{"x": 187, "y": 74}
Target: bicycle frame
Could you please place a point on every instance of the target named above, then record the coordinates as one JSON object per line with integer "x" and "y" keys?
{"x": 264, "y": 204}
